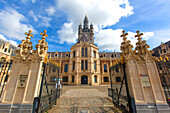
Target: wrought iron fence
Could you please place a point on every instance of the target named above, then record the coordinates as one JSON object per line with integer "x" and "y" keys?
{"x": 119, "y": 91}
{"x": 163, "y": 67}
{"x": 5, "y": 68}
{"x": 49, "y": 89}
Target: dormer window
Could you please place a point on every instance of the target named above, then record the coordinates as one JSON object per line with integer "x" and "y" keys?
{"x": 103, "y": 55}
{"x": 66, "y": 55}
{"x": 5, "y": 50}
{"x": 55, "y": 55}
{"x": 115, "y": 55}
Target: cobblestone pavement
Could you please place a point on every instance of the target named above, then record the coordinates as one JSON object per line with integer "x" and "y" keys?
{"x": 84, "y": 99}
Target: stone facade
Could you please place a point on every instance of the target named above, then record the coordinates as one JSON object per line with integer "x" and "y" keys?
{"x": 85, "y": 64}
{"x": 162, "y": 50}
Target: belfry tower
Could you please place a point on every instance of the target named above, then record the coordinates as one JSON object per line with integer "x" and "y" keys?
{"x": 85, "y": 34}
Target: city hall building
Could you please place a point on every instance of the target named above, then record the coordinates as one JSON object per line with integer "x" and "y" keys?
{"x": 84, "y": 64}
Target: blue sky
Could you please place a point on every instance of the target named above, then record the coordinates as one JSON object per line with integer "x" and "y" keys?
{"x": 61, "y": 19}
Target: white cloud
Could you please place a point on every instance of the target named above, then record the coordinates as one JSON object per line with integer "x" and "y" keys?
{"x": 11, "y": 24}
{"x": 50, "y": 11}
{"x": 31, "y": 13}
{"x": 109, "y": 39}
{"x": 67, "y": 34}
{"x": 101, "y": 12}
{"x": 25, "y": 1}
{"x": 44, "y": 21}
{"x": 10, "y": 41}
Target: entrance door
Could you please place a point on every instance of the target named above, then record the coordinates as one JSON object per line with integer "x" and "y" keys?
{"x": 84, "y": 79}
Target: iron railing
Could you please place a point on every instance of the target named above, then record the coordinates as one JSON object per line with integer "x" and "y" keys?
{"x": 119, "y": 91}
{"x": 5, "y": 68}
{"x": 49, "y": 89}
{"x": 163, "y": 67}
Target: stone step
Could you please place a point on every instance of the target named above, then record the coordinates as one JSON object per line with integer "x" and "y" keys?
{"x": 92, "y": 109}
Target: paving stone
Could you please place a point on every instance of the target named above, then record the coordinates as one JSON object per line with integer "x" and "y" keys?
{"x": 84, "y": 99}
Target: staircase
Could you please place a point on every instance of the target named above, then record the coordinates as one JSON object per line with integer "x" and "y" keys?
{"x": 84, "y": 99}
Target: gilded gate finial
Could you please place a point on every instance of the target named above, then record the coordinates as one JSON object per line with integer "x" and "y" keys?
{"x": 139, "y": 36}
{"x": 29, "y": 34}
{"x": 44, "y": 34}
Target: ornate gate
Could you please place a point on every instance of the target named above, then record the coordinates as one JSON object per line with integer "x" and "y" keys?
{"x": 5, "y": 67}
{"x": 119, "y": 91}
{"x": 49, "y": 88}
{"x": 163, "y": 66}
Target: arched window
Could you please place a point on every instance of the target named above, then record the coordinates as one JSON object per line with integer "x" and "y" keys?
{"x": 55, "y": 55}
{"x": 86, "y": 51}
{"x": 82, "y": 51}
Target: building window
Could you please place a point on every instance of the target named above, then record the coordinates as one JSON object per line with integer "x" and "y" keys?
{"x": 105, "y": 68}
{"x": 55, "y": 55}
{"x": 54, "y": 69}
{"x": 66, "y": 55}
{"x": 73, "y": 79}
{"x": 95, "y": 79}
{"x": 74, "y": 54}
{"x": 5, "y": 50}
{"x": 118, "y": 79}
{"x": 49, "y": 70}
{"x": 6, "y": 78}
{"x": 106, "y": 79}
{"x": 117, "y": 69}
{"x": 164, "y": 50}
{"x": 82, "y": 51}
{"x": 86, "y": 65}
{"x": 53, "y": 79}
{"x": 95, "y": 65}
{"x": 94, "y": 54}
{"x": 65, "y": 79}
{"x": 66, "y": 68}
{"x": 86, "y": 51}
{"x": 103, "y": 55}
{"x": 82, "y": 64}
{"x": 73, "y": 65}
{"x": 115, "y": 55}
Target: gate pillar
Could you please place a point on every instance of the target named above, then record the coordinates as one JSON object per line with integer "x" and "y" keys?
{"x": 142, "y": 77}
{"x": 25, "y": 77}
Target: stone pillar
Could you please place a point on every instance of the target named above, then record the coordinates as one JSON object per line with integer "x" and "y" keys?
{"x": 143, "y": 78}
{"x": 25, "y": 77}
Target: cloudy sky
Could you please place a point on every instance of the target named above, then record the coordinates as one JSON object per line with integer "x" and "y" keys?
{"x": 61, "y": 19}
